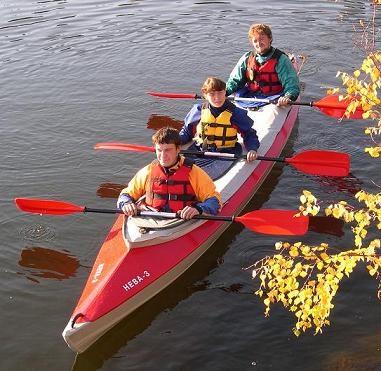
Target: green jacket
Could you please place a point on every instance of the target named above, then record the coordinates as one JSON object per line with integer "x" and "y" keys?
{"x": 285, "y": 69}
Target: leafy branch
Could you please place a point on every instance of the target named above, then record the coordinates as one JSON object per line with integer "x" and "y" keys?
{"x": 362, "y": 87}
{"x": 305, "y": 279}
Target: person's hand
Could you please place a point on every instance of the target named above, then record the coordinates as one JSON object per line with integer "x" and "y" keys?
{"x": 283, "y": 101}
{"x": 251, "y": 156}
{"x": 130, "y": 209}
{"x": 188, "y": 212}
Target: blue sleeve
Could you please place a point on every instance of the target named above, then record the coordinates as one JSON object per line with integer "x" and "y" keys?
{"x": 244, "y": 124}
{"x": 123, "y": 198}
{"x": 191, "y": 120}
{"x": 210, "y": 206}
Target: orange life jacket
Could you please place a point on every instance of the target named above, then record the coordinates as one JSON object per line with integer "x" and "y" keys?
{"x": 263, "y": 78}
{"x": 170, "y": 190}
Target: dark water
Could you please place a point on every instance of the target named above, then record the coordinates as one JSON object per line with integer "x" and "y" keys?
{"x": 74, "y": 73}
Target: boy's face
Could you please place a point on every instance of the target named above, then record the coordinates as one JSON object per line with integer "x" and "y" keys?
{"x": 167, "y": 154}
{"x": 261, "y": 43}
{"x": 216, "y": 98}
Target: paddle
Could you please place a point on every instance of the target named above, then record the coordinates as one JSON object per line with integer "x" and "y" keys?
{"x": 274, "y": 222}
{"x": 196, "y": 96}
{"x": 330, "y": 104}
{"x": 316, "y": 162}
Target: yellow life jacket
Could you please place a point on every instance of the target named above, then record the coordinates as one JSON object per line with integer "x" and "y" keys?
{"x": 216, "y": 130}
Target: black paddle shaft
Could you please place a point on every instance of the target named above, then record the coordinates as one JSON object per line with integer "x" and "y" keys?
{"x": 103, "y": 211}
{"x": 220, "y": 156}
{"x": 278, "y": 159}
{"x": 118, "y": 211}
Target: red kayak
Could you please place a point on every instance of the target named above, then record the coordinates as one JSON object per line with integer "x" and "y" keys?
{"x": 134, "y": 265}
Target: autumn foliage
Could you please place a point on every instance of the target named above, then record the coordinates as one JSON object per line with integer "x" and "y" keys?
{"x": 303, "y": 278}
{"x": 362, "y": 87}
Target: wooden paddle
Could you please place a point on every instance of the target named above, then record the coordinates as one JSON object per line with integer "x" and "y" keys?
{"x": 316, "y": 162}
{"x": 330, "y": 104}
{"x": 274, "y": 222}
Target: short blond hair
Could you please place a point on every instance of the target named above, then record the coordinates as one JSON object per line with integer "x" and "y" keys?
{"x": 213, "y": 84}
{"x": 260, "y": 28}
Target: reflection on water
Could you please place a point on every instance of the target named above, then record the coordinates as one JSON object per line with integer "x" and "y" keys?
{"x": 349, "y": 184}
{"x": 156, "y": 122}
{"x": 365, "y": 355}
{"x": 42, "y": 262}
{"x": 326, "y": 225}
{"x": 110, "y": 190}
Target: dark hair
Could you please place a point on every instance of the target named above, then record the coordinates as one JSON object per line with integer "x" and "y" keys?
{"x": 213, "y": 84}
{"x": 166, "y": 135}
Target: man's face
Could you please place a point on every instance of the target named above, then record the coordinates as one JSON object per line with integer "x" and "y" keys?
{"x": 167, "y": 154}
{"x": 216, "y": 98}
{"x": 261, "y": 43}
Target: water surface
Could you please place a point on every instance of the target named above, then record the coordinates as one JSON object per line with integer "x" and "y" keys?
{"x": 74, "y": 73}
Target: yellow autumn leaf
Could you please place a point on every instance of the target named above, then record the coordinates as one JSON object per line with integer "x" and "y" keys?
{"x": 373, "y": 151}
{"x": 324, "y": 257}
{"x": 336, "y": 213}
{"x": 365, "y": 116}
{"x": 306, "y": 250}
{"x": 294, "y": 252}
{"x": 320, "y": 265}
{"x": 359, "y": 216}
{"x": 303, "y": 274}
{"x": 372, "y": 270}
{"x": 278, "y": 245}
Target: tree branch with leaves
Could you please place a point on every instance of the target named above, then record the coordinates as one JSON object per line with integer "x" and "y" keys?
{"x": 362, "y": 87}
{"x": 305, "y": 279}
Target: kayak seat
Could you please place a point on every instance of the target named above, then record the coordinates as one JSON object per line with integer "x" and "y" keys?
{"x": 146, "y": 223}
{"x": 214, "y": 168}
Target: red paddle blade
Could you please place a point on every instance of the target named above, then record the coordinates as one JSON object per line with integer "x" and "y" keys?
{"x": 173, "y": 95}
{"x": 124, "y": 147}
{"x": 332, "y": 106}
{"x": 47, "y": 206}
{"x": 276, "y": 222}
{"x": 325, "y": 163}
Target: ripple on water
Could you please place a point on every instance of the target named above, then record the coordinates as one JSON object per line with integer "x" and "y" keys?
{"x": 38, "y": 232}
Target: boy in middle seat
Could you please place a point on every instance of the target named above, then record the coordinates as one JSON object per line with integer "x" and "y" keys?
{"x": 214, "y": 125}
